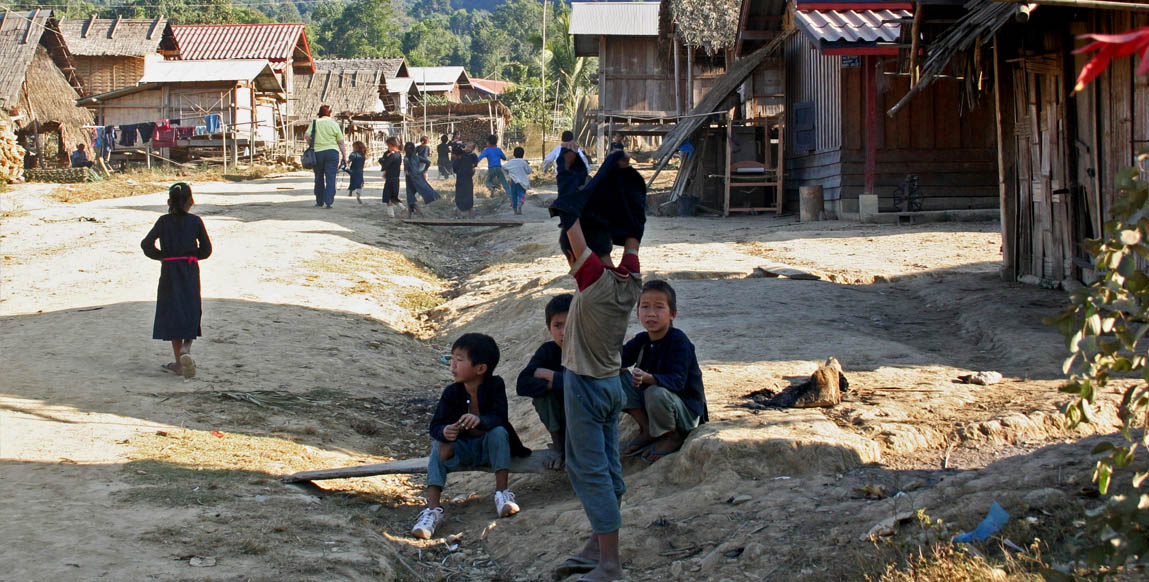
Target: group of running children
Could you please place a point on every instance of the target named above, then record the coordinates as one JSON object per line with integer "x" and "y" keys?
{"x": 454, "y": 159}
{"x": 579, "y": 382}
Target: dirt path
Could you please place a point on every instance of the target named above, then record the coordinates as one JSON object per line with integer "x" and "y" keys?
{"x": 323, "y": 333}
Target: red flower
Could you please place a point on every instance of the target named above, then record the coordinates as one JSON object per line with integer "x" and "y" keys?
{"x": 1109, "y": 47}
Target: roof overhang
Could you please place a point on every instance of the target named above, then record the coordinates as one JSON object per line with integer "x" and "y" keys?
{"x": 853, "y": 32}
{"x": 591, "y": 20}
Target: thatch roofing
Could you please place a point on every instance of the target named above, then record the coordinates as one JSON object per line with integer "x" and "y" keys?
{"x": 711, "y": 25}
{"x": 347, "y": 92}
{"x": 19, "y": 36}
{"x": 391, "y": 67}
{"x": 123, "y": 37}
{"x": 52, "y": 98}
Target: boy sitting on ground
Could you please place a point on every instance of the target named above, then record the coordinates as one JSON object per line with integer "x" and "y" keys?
{"x": 664, "y": 392}
{"x": 542, "y": 379}
{"x": 470, "y": 428}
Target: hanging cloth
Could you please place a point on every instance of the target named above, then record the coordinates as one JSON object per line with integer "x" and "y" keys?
{"x": 184, "y": 132}
{"x": 165, "y": 138}
{"x": 211, "y": 120}
{"x": 146, "y": 130}
{"x": 128, "y": 135}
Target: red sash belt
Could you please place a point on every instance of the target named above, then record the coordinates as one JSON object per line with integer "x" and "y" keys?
{"x": 188, "y": 259}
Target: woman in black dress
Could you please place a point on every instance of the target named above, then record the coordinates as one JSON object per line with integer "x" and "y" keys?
{"x": 183, "y": 243}
{"x": 463, "y": 164}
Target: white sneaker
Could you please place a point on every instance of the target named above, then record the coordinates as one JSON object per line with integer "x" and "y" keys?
{"x": 428, "y": 520}
{"x": 390, "y": 211}
{"x": 505, "y": 503}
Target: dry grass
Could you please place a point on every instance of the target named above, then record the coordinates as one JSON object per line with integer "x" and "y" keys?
{"x": 142, "y": 181}
{"x": 945, "y": 563}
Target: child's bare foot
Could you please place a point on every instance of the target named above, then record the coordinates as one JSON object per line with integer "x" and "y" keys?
{"x": 558, "y": 459}
{"x": 171, "y": 368}
{"x": 187, "y": 365}
{"x": 602, "y": 573}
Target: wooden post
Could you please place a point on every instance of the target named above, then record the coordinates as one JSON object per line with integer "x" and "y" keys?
{"x": 1004, "y": 121}
{"x": 223, "y": 134}
{"x": 689, "y": 78}
{"x": 729, "y": 141}
{"x": 915, "y": 32}
{"x": 869, "y": 72}
{"x": 677, "y": 80}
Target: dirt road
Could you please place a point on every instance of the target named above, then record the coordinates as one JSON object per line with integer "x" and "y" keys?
{"x": 323, "y": 332}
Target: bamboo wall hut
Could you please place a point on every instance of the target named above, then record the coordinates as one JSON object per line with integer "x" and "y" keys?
{"x": 283, "y": 45}
{"x": 349, "y": 93}
{"x": 112, "y": 53}
{"x": 475, "y": 121}
{"x": 35, "y": 91}
{"x": 396, "y": 88}
{"x": 245, "y": 94}
{"x": 1059, "y": 153}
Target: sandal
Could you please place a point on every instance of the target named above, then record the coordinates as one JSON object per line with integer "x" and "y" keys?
{"x": 652, "y": 455}
{"x": 632, "y": 448}
{"x": 171, "y": 368}
{"x": 574, "y": 565}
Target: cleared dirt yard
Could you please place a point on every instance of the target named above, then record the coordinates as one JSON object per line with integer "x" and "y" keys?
{"x": 323, "y": 332}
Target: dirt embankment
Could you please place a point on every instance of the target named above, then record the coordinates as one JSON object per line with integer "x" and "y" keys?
{"x": 323, "y": 336}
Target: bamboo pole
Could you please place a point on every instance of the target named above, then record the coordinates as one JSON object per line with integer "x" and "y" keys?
{"x": 1096, "y": 4}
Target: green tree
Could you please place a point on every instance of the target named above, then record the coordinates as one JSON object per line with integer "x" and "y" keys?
{"x": 357, "y": 29}
{"x": 430, "y": 43}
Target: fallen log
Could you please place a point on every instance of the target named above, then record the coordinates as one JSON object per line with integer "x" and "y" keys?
{"x": 536, "y": 463}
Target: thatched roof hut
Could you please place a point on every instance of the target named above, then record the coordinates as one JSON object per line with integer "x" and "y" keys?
{"x": 31, "y": 84}
{"x": 120, "y": 37}
{"x": 390, "y": 67}
{"x": 347, "y": 92}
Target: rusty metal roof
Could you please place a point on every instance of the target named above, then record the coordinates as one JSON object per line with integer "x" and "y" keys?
{"x": 614, "y": 18}
{"x": 277, "y": 43}
{"x": 842, "y": 28}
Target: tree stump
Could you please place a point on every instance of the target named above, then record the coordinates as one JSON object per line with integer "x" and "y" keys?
{"x": 823, "y": 389}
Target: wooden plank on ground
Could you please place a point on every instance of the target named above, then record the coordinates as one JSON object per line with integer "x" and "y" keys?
{"x": 536, "y": 463}
{"x": 462, "y": 222}
{"x": 787, "y": 271}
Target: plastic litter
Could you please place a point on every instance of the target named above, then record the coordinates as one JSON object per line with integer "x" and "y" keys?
{"x": 993, "y": 522}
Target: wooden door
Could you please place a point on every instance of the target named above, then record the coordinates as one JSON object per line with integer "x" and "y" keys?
{"x": 1045, "y": 231}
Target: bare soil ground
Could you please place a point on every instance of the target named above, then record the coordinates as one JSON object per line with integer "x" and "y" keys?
{"x": 324, "y": 331}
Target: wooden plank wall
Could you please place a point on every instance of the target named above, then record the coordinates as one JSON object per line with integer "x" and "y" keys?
{"x": 633, "y": 78}
{"x": 1059, "y": 138}
{"x": 811, "y": 76}
{"x": 953, "y": 152}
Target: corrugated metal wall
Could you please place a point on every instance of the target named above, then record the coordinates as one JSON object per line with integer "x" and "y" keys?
{"x": 811, "y": 76}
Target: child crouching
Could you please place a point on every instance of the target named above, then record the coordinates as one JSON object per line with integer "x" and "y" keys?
{"x": 471, "y": 428}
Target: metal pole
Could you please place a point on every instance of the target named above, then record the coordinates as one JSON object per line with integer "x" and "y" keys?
{"x": 1098, "y": 4}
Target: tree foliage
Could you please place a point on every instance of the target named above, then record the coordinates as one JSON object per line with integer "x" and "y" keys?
{"x": 358, "y": 28}
{"x": 1105, "y": 327}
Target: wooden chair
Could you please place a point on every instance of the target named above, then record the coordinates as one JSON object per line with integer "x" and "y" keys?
{"x": 766, "y": 173}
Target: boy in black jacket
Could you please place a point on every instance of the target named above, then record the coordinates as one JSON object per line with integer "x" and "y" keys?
{"x": 470, "y": 427}
{"x": 664, "y": 392}
{"x": 542, "y": 379}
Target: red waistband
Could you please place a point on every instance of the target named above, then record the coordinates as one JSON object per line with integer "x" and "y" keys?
{"x": 188, "y": 259}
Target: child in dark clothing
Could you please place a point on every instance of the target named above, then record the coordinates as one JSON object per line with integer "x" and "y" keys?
{"x": 542, "y": 379}
{"x": 664, "y": 392}
{"x": 464, "y": 164}
{"x": 470, "y": 427}
{"x": 183, "y": 243}
{"x": 592, "y": 385}
{"x": 444, "y": 157}
{"x": 356, "y": 161}
{"x": 392, "y": 163}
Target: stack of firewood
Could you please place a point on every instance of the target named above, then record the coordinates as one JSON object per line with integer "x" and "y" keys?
{"x": 11, "y": 154}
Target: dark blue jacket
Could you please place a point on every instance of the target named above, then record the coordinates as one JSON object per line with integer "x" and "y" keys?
{"x": 674, "y": 365}
{"x": 455, "y": 402}
{"x": 614, "y": 201}
{"x": 549, "y": 356}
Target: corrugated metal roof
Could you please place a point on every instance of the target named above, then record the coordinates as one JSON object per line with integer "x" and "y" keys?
{"x": 437, "y": 75}
{"x": 851, "y": 26}
{"x": 273, "y": 42}
{"x": 614, "y": 18}
{"x": 210, "y": 71}
{"x": 128, "y": 37}
{"x": 491, "y": 86}
{"x": 398, "y": 85}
